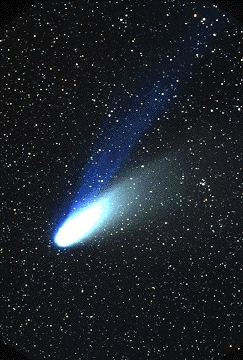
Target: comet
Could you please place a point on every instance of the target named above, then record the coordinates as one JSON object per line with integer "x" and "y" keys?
{"x": 92, "y": 209}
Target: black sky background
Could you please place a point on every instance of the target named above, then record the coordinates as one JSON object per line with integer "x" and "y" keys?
{"x": 123, "y": 291}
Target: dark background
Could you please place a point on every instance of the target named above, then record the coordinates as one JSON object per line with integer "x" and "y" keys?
{"x": 169, "y": 291}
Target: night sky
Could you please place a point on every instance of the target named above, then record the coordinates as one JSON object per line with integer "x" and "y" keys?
{"x": 143, "y": 98}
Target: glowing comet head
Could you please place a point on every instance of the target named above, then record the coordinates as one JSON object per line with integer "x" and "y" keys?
{"x": 81, "y": 223}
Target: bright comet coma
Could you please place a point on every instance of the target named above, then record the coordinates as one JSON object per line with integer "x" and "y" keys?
{"x": 81, "y": 223}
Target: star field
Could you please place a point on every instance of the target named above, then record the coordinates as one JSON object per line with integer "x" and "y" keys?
{"x": 162, "y": 278}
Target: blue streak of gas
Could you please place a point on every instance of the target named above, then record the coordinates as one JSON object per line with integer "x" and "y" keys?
{"x": 89, "y": 211}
